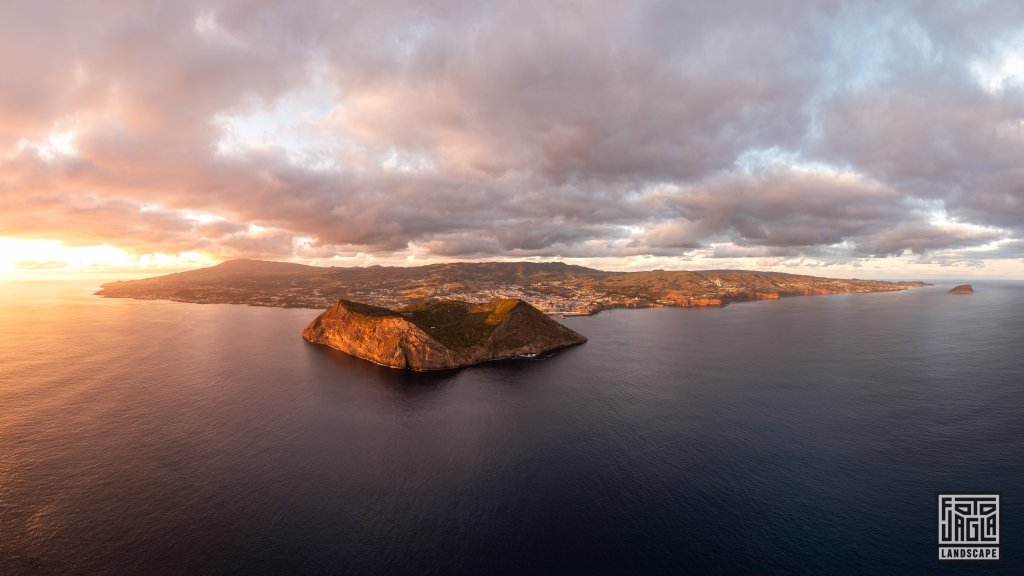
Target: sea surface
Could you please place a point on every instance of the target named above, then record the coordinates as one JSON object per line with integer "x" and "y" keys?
{"x": 809, "y": 435}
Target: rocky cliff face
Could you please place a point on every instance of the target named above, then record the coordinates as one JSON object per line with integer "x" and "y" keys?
{"x": 962, "y": 289}
{"x": 439, "y": 335}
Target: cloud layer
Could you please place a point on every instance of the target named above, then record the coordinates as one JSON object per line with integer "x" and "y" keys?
{"x": 551, "y": 129}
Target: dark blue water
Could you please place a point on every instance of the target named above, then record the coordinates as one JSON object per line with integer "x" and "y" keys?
{"x": 804, "y": 436}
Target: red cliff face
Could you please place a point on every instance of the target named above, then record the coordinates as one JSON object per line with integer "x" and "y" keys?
{"x": 693, "y": 302}
{"x": 439, "y": 335}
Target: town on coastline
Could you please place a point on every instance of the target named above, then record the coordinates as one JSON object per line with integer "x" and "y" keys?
{"x": 552, "y": 287}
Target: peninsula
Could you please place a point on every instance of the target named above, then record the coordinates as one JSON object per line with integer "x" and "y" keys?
{"x": 439, "y": 335}
{"x": 552, "y": 287}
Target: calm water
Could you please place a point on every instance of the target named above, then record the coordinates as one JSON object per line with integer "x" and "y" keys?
{"x": 808, "y": 435}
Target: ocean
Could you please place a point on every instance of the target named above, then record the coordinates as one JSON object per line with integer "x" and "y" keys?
{"x": 809, "y": 435}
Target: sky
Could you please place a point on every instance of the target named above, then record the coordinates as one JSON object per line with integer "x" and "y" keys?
{"x": 866, "y": 139}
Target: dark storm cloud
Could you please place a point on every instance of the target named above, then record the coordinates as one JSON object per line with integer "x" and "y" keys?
{"x": 465, "y": 129}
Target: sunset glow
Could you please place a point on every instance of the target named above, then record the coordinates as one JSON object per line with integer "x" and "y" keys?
{"x": 478, "y": 287}
{"x": 27, "y": 258}
{"x": 169, "y": 136}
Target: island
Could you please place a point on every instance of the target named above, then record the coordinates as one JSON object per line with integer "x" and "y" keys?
{"x": 552, "y": 287}
{"x": 439, "y": 335}
{"x": 962, "y": 289}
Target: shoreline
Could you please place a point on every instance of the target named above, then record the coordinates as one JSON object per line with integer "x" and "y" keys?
{"x": 720, "y": 303}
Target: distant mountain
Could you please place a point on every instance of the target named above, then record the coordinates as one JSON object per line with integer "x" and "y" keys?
{"x": 255, "y": 267}
{"x": 553, "y": 287}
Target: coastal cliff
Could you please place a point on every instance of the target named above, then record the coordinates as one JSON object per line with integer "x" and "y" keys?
{"x": 438, "y": 335}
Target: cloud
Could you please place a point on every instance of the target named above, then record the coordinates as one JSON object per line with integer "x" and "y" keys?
{"x": 926, "y": 239}
{"x": 40, "y": 264}
{"x": 478, "y": 129}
